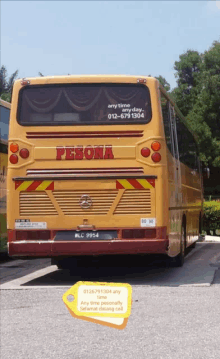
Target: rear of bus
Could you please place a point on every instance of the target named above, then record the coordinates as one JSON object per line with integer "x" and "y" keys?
{"x": 4, "y": 123}
{"x": 87, "y": 171}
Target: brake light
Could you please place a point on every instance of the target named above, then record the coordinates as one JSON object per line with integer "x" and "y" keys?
{"x": 145, "y": 152}
{"x": 25, "y": 82}
{"x": 141, "y": 81}
{"x": 156, "y": 146}
{"x": 138, "y": 233}
{"x": 24, "y": 153}
{"x": 156, "y": 157}
{"x": 13, "y": 159}
{"x": 14, "y": 147}
{"x": 32, "y": 235}
{"x": 148, "y": 233}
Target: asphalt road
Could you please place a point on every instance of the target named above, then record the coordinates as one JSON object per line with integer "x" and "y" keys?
{"x": 175, "y": 311}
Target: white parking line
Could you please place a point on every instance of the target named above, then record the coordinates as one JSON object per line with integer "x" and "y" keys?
{"x": 17, "y": 283}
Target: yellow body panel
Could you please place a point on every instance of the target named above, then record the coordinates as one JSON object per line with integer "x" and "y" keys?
{"x": 3, "y": 192}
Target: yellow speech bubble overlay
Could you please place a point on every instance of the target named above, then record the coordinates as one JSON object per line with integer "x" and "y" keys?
{"x": 96, "y": 299}
{"x": 117, "y": 323}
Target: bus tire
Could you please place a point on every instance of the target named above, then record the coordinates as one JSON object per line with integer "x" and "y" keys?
{"x": 63, "y": 263}
{"x": 178, "y": 261}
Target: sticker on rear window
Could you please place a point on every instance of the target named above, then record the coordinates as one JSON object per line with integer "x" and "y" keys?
{"x": 148, "y": 222}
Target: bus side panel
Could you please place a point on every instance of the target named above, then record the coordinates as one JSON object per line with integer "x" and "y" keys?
{"x": 192, "y": 202}
{"x": 175, "y": 213}
{"x": 3, "y": 173}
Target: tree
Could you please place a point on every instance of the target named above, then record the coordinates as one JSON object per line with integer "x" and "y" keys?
{"x": 6, "y": 84}
{"x": 197, "y": 96}
{"x": 164, "y": 83}
{"x": 188, "y": 69}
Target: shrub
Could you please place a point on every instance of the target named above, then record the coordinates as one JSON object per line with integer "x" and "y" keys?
{"x": 211, "y": 218}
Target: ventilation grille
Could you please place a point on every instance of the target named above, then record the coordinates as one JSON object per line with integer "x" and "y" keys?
{"x": 69, "y": 201}
{"x": 35, "y": 204}
{"x": 134, "y": 202}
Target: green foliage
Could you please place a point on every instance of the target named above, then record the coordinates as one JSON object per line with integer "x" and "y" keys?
{"x": 211, "y": 218}
{"x": 188, "y": 70}
{"x": 164, "y": 83}
{"x": 3, "y": 244}
{"x": 6, "y": 97}
{"x": 197, "y": 96}
{"x": 6, "y": 83}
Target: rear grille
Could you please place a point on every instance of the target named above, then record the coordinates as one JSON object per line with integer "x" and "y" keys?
{"x": 91, "y": 172}
{"x": 35, "y": 204}
{"x": 134, "y": 202}
{"x": 102, "y": 200}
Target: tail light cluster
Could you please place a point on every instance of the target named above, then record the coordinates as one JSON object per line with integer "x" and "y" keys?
{"x": 32, "y": 235}
{"x": 156, "y": 156}
{"x": 23, "y": 153}
{"x": 149, "y": 233}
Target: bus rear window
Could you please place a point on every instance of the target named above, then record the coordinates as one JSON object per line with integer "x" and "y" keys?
{"x": 84, "y": 104}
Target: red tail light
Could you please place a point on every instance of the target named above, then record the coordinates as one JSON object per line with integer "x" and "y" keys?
{"x": 141, "y": 81}
{"x": 25, "y": 82}
{"x": 32, "y": 235}
{"x": 127, "y": 233}
{"x": 156, "y": 157}
{"x": 148, "y": 233}
{"x": 24, "y": 153}
{"x": 13, "y": 159}
{"x": 145, "y": 152}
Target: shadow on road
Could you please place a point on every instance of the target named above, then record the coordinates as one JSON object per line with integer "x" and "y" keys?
{"x": 136, "y": 270}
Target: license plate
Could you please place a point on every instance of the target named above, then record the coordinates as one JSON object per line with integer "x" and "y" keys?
{"x": 85, "y": 235}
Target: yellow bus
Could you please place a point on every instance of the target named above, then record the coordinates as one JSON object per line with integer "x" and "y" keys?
{"x": 100, "y": 165}
{"x": 4, "y": 125}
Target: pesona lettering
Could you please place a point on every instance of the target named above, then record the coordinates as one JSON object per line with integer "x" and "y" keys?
{"x": 88, "y": 153}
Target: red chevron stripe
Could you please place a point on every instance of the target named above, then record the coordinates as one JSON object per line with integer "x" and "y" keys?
{"x": 34, "y": 185}
{"x": 152, "y": 182}
{"x": 18, "y": 183}
{"x": 135, "y": 183}
{"x": 50, "y": 187}
{"x": 118, "y": 185}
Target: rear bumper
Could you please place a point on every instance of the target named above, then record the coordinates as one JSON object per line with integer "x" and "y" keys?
{"x": 55, "y": 249}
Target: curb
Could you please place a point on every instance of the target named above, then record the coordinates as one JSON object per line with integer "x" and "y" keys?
{"x": 206, "y": 238}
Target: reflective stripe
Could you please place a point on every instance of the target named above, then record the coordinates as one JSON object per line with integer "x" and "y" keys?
{"x": 43, "y": 185}
{"x": 25, "y": 185}
{"x": 144, "y": 183}
{"x": 34, "y": 185}
{"x": 125, "y": 184}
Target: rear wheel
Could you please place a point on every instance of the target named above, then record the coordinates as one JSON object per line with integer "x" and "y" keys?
{"x": 178, "y": 261}
{"x": 64, "y": 263}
